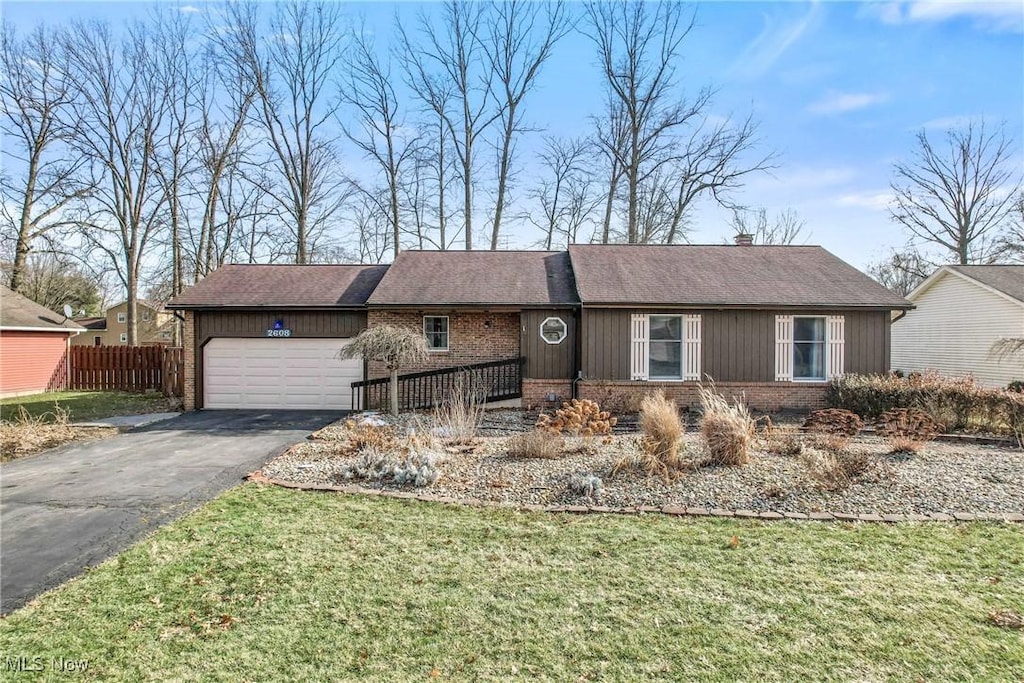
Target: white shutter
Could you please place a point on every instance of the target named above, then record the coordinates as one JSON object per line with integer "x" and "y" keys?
{"x": 691, "y": 351}
{"x": 638, "y": 348}
{"x": 835, "y": 358}
{"x": 783, "y": 348}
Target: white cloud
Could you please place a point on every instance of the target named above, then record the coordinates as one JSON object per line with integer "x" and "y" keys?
{"x": 189, "y": 9}
{"x": 1000, "y": 16}
{"x": 842, "y": 102}
{"x": 950, "y": 122}
{"x": 877, "y": 200}
{"x": 772, "y": 42}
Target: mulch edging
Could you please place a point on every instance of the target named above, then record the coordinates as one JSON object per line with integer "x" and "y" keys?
{"x": 671, "y": 510}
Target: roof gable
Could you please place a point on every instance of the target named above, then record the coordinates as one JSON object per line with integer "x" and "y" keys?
{"x": 723, "y": 275}
{"x": 20, "y": 312}
{"x": 287, "y": 286}
{"x": 467, "y": 278}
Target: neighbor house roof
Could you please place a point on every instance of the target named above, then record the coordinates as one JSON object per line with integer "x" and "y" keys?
{"x": 1006, "y": 279}
{"x": 21, "y": 313}
{"x": 307, "y": 286}
{"x": 92, "y": 323}
{"x": 720, "y": 275}
{"x": 497, "y": 278}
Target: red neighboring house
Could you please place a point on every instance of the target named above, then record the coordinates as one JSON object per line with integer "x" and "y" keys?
{"x": 33, "y": 346}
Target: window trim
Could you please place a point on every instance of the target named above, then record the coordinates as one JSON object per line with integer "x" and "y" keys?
{"x": 124, "y": 337}
{"x": 447, "y": 334}
{"x": 122, "y": 317}
{"x": 824, "y": 351}
{"x": 565, "y": 330}
{"x": 682, "y": 348}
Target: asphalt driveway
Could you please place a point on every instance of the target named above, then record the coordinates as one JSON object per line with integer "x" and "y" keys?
{"x": 77, "y": 505}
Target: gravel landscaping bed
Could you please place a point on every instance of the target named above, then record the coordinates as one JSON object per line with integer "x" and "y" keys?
{"x": 943, "y": 477}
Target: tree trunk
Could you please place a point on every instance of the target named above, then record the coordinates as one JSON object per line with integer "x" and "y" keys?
{"x": 394, "y": 392}
{"x": 502, "y": 180}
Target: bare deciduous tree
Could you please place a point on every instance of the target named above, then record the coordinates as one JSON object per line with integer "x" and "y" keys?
{"x": 957, "y": 198}
{"x": 520, "y": 37}
{"x": 901, "y": 271}
{"x": 448, "y": 71}
{"x": 1010, "y": 245}
{"x": 381, "y": 133}
{"x": 117, "y": 116}
{"x": 564, "y": 195}
{"x": 35, "y": 97}
{"x": 292, "y": 71}
{"x": 787, "y": 228}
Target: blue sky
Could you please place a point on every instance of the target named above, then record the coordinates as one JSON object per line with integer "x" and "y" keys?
{"x": 839, "y": 89}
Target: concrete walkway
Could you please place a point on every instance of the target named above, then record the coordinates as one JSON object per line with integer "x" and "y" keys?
{"x": 77, "y": 505}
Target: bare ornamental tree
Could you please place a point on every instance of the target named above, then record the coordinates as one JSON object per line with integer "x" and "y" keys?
{"x": 395, "y": 347}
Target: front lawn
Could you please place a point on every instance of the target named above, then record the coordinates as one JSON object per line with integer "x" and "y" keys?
{"x": 83, "y": 406}
{"x": 272, "y": 584}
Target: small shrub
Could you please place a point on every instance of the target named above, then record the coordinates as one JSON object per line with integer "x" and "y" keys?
{"x": 413, "y": 469}
{"x": 1016, "y": 386}
{"x": 782, "y": 440}
{"x": 536, "y": 443}
{"x": 418, "y": 469}
{"x": 587, "y": 485}
{"x": 727, "y": 428}
{"x": 579, "y": 417}
{"x": 907, "y": 429}
{"x": 835, "y": 471}
{"x": 834, "y": 421}
{"x": 662, "y": 429}
{"x": 362, "y": 436}
{"x": 26, "y": 434}
{"x": 833, "y": 443}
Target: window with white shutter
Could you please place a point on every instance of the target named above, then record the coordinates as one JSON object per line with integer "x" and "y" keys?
{"x": 693, "y": 351}
{"x": 836, "y": 358}
{"x": 783, "y": 348}
{"x": 638, "y": 348}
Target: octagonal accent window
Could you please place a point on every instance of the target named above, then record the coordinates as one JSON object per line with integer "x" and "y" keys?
{"x": 554, "y": 330}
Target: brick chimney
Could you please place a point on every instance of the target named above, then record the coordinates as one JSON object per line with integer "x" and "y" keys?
{"x": 744, "y": 239}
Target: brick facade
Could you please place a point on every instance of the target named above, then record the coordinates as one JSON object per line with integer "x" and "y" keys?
{"x": 189, "y": 360}
{"x": 473, "y": 337}
{"x": 536, "y": 392}
{"x": 764, "y": 396}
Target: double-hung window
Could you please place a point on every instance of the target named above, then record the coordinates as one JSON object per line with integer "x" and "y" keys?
{"x": 665, "y": 354}
{"x": 809, "y": 348}
{"x": 809, "y": 338}
{"x": 665, "y": 347}
{"x": 435, "y": 329}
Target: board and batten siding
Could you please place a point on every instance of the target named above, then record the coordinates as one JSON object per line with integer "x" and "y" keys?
{"x": 255, "y": 323}
{"x": 543, "y": 360}
{"x": 736, "y": 345}
{"x": 952, "y": 330}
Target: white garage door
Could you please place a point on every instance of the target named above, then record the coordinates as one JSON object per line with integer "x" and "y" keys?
{"x": 278, "y": 373}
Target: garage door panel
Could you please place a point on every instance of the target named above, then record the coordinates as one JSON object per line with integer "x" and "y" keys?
{"x": 278, "y": 373}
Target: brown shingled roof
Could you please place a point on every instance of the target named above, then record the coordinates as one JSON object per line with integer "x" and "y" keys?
{"x": 308, "y": 286}
{"x": 19, "y": 311}
{"x": 800, "y": 276}
{"x": 512, "y": 278}
{"x": 1007, "y": 279}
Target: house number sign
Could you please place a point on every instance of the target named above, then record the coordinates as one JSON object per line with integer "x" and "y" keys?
{"x": 279, "y": 330}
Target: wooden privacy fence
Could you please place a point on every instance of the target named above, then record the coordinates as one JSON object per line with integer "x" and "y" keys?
{"x": 127, "y": 368}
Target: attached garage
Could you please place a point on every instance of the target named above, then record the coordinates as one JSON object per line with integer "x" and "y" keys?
{"x": 268, "y": 336}
{"x": 278, "y": 373}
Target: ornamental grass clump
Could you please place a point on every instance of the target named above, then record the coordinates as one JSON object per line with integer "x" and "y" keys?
{"x": 662, "y": 430}
{"x": 727, "y": 428}
{"x": 458, "y": 418}
{"x": 579, "y": 417}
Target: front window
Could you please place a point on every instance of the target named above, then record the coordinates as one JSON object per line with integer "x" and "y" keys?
{"x": 809, "y": 348}
{"x": 435, "y": 329}
{"x": 97, "y": 341}
{"x": 665, "y": 347}
{"x": 124, "y": 338}
{"x": 122, "y": 317}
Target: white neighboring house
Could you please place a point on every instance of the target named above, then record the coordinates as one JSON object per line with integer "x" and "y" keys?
{"x": 961, "y": 312}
